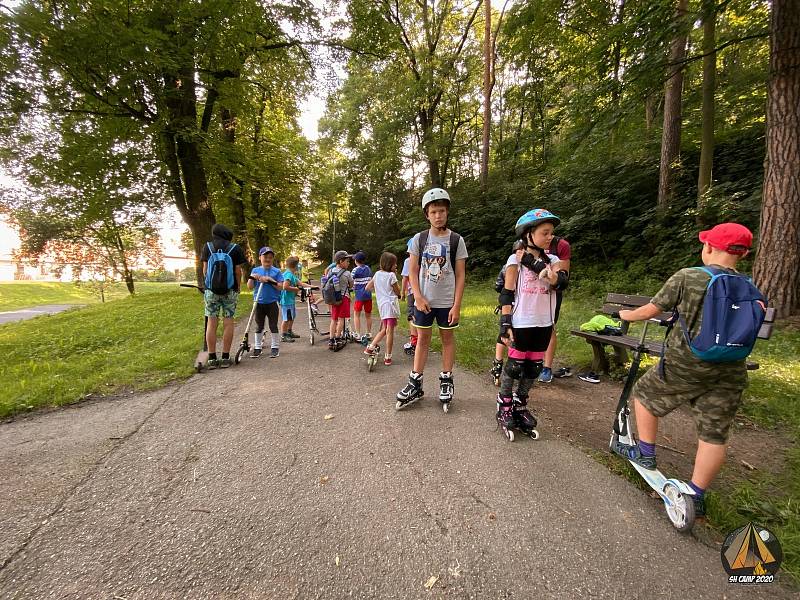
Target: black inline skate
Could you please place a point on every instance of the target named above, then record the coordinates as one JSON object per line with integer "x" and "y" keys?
{"x": 411, "y": 392}
{"x": 523, "y": 419}
{"x": 505, "y": 416}
{"x": 496, "y": 371}
{"x": 446, "y": 389}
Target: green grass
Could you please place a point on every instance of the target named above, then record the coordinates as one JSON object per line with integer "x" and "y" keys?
{"x": 137, "y": 342}
{"x": 772, "y": 400}
{"x": 15, "y": 295}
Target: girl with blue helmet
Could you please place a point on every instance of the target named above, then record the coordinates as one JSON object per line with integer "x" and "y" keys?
{"x": 527, "y": 319}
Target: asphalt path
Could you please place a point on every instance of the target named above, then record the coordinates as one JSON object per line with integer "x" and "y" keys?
{"x": 296, "y": 478}
{"x": 29, "y": 313}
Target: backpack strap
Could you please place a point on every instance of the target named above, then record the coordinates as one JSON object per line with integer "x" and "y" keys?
{"x": 231, "y": 246}
{"x": 423, "y": 240}
{"x": 210, "y": 247}
{"x": 455, "y": 240}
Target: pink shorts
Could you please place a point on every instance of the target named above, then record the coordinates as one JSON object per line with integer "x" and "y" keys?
{"x": 517, "y": 355}
{"x": 342, "y": 311}
{"x": 387, "y": 323}
{"x": 365, "y": 305}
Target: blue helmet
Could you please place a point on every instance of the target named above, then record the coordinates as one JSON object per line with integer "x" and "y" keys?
{"x": 535, "y": 217}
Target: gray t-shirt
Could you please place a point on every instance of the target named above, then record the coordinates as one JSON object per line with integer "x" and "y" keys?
{"x": 437, "y": 282}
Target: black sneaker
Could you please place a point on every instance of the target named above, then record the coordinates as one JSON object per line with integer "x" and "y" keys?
{"x": 256, "y": 353}
{"x": 562, "y": 373}
{"x": 224, "y": 363}
{"x": 287, "y": 338}
{"x": 590, "y": 377}
{"x": 631, "y": 452}
{"x": 274, "y": 352}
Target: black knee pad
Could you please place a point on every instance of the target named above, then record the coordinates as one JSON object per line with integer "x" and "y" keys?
{"x": 532, "y": 368}
{"x": 513, "y": 368}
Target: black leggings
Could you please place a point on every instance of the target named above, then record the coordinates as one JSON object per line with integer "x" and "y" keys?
{"x": 269, "y": 311}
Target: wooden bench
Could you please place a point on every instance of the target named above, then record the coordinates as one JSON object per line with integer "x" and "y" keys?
{"x": 621, "y": 344}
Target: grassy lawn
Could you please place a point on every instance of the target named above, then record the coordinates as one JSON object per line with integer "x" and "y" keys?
{"x": 135, "y": 342}
{"x": 15, "y": 295}
{"x": 772, "y": 400}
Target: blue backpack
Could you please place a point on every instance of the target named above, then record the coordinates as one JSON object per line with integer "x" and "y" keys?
{"x": 220, "y": 272}
{"x": 733, "y": 311}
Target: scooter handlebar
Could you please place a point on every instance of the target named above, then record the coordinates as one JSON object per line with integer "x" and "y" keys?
{"x": 191, "y": 285}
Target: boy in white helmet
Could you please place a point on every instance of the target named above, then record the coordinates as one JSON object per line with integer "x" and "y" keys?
{"x": 437, "y": 274}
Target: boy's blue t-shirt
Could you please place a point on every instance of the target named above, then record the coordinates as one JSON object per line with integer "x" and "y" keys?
{"x": 268, "y": 292}
{"x": 287, "y": 296}
{"x": 361, "y": 276}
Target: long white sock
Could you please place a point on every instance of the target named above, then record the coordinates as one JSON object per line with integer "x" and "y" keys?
{"x": 257, "y": 340}
{"x": 276, "y": 340}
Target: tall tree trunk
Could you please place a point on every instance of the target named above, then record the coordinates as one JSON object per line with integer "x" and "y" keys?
{"x": 234, "y": 187}
{"x": 487, "y": 92}
{"x": 709, "y": 86}
{"x": 616, "y": 89}
{"x": 777, "y": 266}
{"x": 671, "y": 135}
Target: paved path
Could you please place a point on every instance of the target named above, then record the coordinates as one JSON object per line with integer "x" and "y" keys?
{"x": 29, "y": 313}
{"x": 234, "y": 485}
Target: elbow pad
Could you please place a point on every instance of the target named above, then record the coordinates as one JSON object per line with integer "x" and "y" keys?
{"x": 506, "y": 297}
{"x": 563, "y": 281}
{"x": 537, "y": 265}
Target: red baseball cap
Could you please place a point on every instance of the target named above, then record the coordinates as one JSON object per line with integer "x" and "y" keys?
{"x": 730, "y": 237}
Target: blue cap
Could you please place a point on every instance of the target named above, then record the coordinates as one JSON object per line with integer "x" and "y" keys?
{"x": 266, "y": 249}
{"x": 360, "y": 256}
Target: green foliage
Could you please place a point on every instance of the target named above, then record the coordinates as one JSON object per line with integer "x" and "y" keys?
{"x": 24, "y": 294}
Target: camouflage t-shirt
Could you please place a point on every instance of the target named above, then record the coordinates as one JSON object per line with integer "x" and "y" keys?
{"x": 685, "y": 291}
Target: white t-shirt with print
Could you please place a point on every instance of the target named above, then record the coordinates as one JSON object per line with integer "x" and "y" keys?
{"x": 437, "y": 281}
{"x": 535, "y": 299}
{"x": 388, "y": 306}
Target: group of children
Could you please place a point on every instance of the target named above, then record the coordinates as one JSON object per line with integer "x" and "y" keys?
{"x": 535, "y": 275}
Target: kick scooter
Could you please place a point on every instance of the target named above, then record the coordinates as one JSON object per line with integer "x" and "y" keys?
{"x": 306, "y": 296}
{"x": 202, "y": 356}
{"x": 676, "y": 494}
{"x": 244, "y": 347}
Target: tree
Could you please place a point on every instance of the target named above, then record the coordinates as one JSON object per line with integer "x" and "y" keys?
{"x": 673, "y": 95}
{"x": 777, "y": 266}
{"x": 709, "y": 86}
{"x": 487, "y": 91}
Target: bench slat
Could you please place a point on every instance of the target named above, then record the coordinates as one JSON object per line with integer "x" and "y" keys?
{"x": 628, "y": 300}
{"x": 623, "y": 341}
{"x": 765, "y": 332}
{"x": 769, "y": 317}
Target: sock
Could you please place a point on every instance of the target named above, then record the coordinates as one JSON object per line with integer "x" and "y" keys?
{"x": 276, "y": 340}
{"x": 212, "y": 356}
{"x": 387, "y": 356}
{"x": 647, "y": 449}
{"x": 257, "y": 341}
{"x": 698, "y": 491}
{"x": 226, "y": 355}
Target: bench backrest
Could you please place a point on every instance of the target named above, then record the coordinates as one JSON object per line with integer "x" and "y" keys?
{"x": 617, "y": 302}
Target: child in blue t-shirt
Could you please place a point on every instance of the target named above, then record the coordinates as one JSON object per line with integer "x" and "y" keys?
{"x": 291, "y": 285}
{"x": 361, "y": 277}
{"x": 267, "y": 300}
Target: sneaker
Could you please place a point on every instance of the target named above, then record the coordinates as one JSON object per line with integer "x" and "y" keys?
{"x": 387, "y": 361}
{"x": 224, "y": 363}
{"x": 256, "y": 353}
{"x": 213, "y": 363}
{"x": 274, "y": 352}
{"x": 590, "y": 377}
{"x": 546, "y": 375}
{"x": 699, "y": 505}
{"x": 293, "y": 335}
{"x": 562, "y": 372}
{"x": 631, "y": 452}
{"x": 372, "y": 350}
{"x": 287, "y": 338}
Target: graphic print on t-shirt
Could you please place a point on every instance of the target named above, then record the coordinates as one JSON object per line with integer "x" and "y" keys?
{"x": 434, "y": 261}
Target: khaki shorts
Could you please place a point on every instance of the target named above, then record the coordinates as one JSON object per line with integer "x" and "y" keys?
{"x": 713, "y": 399}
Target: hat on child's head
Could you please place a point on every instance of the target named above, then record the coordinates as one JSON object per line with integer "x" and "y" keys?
{"x": 221, "y": 231}
{"x": 730, "y": 237}
{"x": 341, "y": 254}
{"x": 266, "y": 249}
{"x": 360, "y": 256}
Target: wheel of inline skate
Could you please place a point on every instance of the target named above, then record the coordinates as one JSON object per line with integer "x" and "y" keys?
{"x": 534, "y": 434}
{"x": 446, "y": 407}
{"x": 496, "y": 382}
{"x": 398, "y": 405}
{"x": 239, "y": 354}
{"x": 509, "y": 435}
{"x": 199, "y": 367}
{"x": 680, "y": 509}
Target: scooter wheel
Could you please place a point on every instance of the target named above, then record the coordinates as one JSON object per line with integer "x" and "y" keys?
{"x": 679, "y": 507}
{"x": 311, "y": 338}
{"x": 446, "y": 407}
{"x": 239, "y": 353}
{"x": 199, "y": 367}
{"x": 370, "y": 363}
{"x": 534, "y": 435}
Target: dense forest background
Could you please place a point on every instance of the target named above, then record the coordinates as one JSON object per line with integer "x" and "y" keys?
{"x": 638, "y": 122}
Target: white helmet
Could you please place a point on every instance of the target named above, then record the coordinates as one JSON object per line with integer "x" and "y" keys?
{"x": 432, "y": 195}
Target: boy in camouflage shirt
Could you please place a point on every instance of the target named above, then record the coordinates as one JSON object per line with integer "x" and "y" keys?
{"x": 714, "y": 390}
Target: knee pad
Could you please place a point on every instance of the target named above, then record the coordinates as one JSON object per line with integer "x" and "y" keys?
{"x": 513, "y": 368}
{"x": 532, "y": 368}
